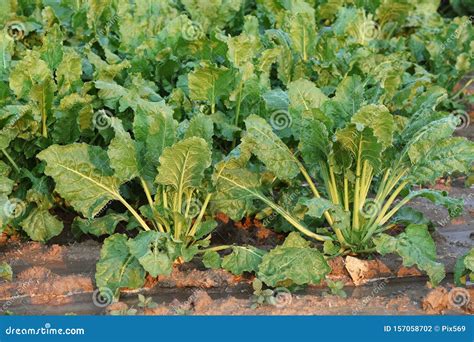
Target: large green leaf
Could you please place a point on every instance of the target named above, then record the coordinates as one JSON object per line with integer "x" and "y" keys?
{"x": 236, "y": 186}
{"x": 379, "y": 119}
{"x": 40, "y": 225}
{"x": 243, "y": 259}
{"x": 304, "y": 95}
{"x": 268, "y": 147}
{"x": 348, "y": 100}
{"x": 117, "y": 268}
{"x": 302, "y": 31}
{"x": 182, "y": 165}
{"x": 416, "y": 247}
{"x": 209, "y": 82}
{"x": 154, "y": 130}
{"x": 104, "y": 225}
{"x": 314, "y": 143}
{"x": 82, "y": 176}
{"x": 295, "y": 262}
{"x": 122, "y": 153}
{"x": 442, "y": 158}
{"x": 423, "y": 140}
{"x": 151, "y": 250}
{"x": 360, "y": 141}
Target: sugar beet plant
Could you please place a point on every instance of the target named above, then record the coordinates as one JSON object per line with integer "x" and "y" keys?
{"x": 147, "y": 118}
{"x": 364, "y": 164}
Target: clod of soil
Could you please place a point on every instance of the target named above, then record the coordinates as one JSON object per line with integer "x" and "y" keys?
{"x": 440, "y": 300}
{"x": 408, "y": 272}
{"x": 363, "y": 271}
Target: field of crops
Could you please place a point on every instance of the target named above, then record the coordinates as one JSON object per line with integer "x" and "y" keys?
{"x": 236, "y": 157}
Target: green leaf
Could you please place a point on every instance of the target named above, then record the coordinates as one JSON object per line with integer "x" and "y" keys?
{"x": 294, "y": 262}
{"x": 416, "y": 247}
{"x": 243, "y": 259}
{"x": 455, "y": 206}
{"x": 41, "y": 226}
{"x": 348, "y": 100}
{"x": 69, "y": 71}
{"x": 209, "y": 83}
{"x": 268, "y": 147}
{"x": 154, "y": 130}
{"x": 151, "y": 250}
{"x": 200, "y": 126}
{"x": 104, "y": 225}
{"x": 422, "y": 141}
{"x": 360, "y": 142}
{"x": 314, "y": 143}
{"x": 182, "y": 165}
{"x": 6, "y": 271}
{"x": 122, "y": 153}
{"x": 304, "y": 95}
{"x": 205, "y": 228}
{"x": 31, "y": 71}
{"x": 464, "y": 266}
{"x": 211, "y": 259}
{"x": 441, "y": 158}
{"x": 82, "y": 176}
{"x": 379, "y": 119}
{"x": 408, "y": 215}
{"x": 236, "y": 186}
{"x": 302, "y": 31}
{"x": 117, "y": 268}
{"x": 52, "y": 49}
